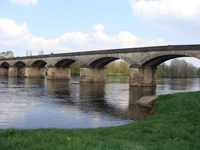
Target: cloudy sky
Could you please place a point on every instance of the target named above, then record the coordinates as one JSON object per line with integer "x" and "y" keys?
{"x": 67, "y": 26}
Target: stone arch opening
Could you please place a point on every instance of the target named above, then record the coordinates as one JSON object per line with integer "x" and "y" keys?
{"x": 179, "y": 66}
{"x": 95, "y": 71}
{"x": 64, "y": 63}
{"x": 156, "y": 61}
{"x": 19, "y": 64}
{"x": 39, "y": 64}
{"x": 4, "y": 67}
{"x": 102, "y": 62}
{"x": 38, "y": 69}
{"x": 62, "y": 69}
{"x": 118, "y": 67}
{"x": 145, "y": 74}
{"x": 19, "y": 69}
{"x": 69, "y": 64}
{"x": 113, "y": 65}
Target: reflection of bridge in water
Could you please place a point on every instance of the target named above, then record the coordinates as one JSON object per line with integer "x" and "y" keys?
{"x": 97, "y": 99}
{"x": 143, "y": 63}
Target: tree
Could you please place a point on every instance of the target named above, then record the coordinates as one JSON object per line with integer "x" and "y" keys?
{"x": 162, "y": 71}
{"x": 75, "y": 69}
{"x": 124, "y": 67}
{"x": 176, "y": 69}
{"x": 116, "y": 67}
{"x": 7, "y": 54}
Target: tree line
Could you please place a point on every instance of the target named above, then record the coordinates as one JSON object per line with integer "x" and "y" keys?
{"x": 115, "y": 68}
{"x": 7, "y": 54}
{"x": 177, "y": 69}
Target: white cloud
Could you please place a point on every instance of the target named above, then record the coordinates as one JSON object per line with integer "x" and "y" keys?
{"x": 177, "y": 15}
{"x": 18, "y": 39}
{"x": 9, "y": 29}
{"x": 24, "y": 2}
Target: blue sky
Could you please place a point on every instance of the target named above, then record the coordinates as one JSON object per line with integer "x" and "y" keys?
{"x": 68, "y": 26}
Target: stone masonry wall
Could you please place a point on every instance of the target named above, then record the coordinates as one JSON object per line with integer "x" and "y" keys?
{"x": 34, "y": 72}
{"x": 142, "y": 77}
{"x": 59, "y": 73}
{"x": 3, "y": 72}
{"x": 90, "y": 75}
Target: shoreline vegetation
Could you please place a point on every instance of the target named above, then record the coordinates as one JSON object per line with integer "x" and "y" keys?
{"x": 175, "y": 124}
{"x": 127, "y": 75}
{"x": 176, "y": 69}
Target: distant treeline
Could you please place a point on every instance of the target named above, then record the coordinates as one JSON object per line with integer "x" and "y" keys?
{"x": 118, "y": 68}
{"x": 114, "y": 68}
{"x": 178, "y": 69}
{"x": 7, "y": 54}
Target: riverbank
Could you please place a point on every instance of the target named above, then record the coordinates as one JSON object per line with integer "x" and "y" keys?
{"x": 107, "y": 75}
{"x": 116, "y": 75}
{"x": 174, "y": 125}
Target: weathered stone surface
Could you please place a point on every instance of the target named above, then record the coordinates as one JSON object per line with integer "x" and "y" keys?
{"x": 35, "y": 72}
{"x": 16, "y": 72}
{"x": 90, "y": 75}
{"x": 147, "y": 101}
{"x": 3, "y": 71}
{"x": 12, "y": 72}
{"x": 59, "y": 73}
{"x": 141, "y": 76}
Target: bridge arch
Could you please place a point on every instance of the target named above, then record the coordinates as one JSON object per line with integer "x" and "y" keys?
{"x": 95, "y": 70}
{"x": 19, "y": 64}
{"x": 64, "y": 63}
{"x": 155, "y": 61}
{"x": 38, "y": 63}
{"x": 102, "y": 61}
{"x": 67, "y": 61}
{"x": 18, "y": 69}
{"x": 5, "y": 65}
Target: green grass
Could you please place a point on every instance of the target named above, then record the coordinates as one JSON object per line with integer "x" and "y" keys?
{"x": 175, "y": 125}
{"x": 117, "y": 75}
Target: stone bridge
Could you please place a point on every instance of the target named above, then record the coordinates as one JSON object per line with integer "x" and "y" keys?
{"x": 143, "y": 63}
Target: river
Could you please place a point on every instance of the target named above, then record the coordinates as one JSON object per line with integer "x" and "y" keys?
{"x": 42, "y": 103}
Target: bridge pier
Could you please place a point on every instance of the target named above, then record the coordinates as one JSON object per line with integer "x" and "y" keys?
{"x": 12, "y": 72}
{"x": 142, "y": 76}
{"x": 35, "y": 72}
{"x": 3, "y": 71}
{"x": 92, "y": 75}
{"x": 16, "y": 72}
{"x": 59, "y": 73}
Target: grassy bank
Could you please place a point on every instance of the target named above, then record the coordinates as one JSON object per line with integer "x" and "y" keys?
{"x": 175, "y": 125}
{"x": 117, "y": 75}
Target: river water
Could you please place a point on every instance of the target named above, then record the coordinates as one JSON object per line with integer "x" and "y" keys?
{"x": 42, "y": 103}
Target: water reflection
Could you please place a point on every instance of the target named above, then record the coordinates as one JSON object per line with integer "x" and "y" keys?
{"x": 58, "y": 89}
{"x": 167, "y": 85}
{"x": 137, "y": 92}
{"x": 42, "y": 103}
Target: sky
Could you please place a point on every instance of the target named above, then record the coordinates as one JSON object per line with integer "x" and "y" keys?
{"x": 63, "y": 26}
